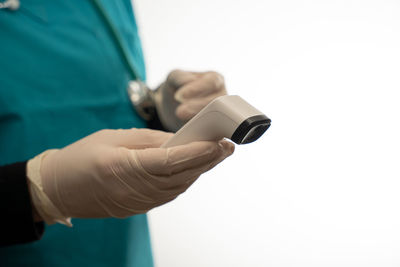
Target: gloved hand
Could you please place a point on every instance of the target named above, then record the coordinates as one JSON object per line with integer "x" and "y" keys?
{"x": 184, "y": 94}
{"x": 117, "y": 173}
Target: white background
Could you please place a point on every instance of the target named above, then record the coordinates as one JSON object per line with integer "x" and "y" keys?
{"x": 321, "y": 188}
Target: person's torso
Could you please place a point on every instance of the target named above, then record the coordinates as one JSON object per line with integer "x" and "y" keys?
{"x": 62, "y": 78}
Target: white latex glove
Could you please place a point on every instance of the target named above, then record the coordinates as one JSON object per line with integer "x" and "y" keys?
{"x": 184, "y": 94}
{"x": 117, "y": 173}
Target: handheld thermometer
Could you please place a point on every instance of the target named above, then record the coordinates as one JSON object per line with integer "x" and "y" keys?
{"x": 227, "y": 116}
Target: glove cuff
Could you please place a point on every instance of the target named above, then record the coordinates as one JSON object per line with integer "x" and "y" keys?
{"x": 44, "y": 206}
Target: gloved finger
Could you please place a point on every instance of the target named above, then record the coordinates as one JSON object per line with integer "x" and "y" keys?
{"x": 186, "y": 178}
{"x": 133, "y": 182}
{"x": 133, "y": 170}
{"x": 178, "y": 78}
{"x": 147, "y": 190}
{"x": 137, "y": 207}
{"x": 189, "y": 109}
{"x": 160, "y": 196}
{"x": 140, "y": 138}
{"x": 164, "y": 189}
{"x": 121, "y": 209}
{"x": 180, "y": 181}
{"x": 124, "y": 207}
{"x": 168, "y": 161}
{"x": 208, "y": 83}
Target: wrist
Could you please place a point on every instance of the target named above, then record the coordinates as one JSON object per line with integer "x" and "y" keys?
{"x": 43, "y": 207}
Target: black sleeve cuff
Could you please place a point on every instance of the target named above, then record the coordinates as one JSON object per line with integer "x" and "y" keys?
{"x": 155, "y": 123}
{"x": 16, "y": 220}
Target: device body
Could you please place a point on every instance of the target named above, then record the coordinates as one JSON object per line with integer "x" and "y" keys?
{"x": 227, "y": 116}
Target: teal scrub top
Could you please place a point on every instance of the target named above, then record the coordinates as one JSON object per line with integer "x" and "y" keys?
{"x": 63, "y": 78}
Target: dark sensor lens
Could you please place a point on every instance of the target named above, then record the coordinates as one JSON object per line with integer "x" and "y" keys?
{"x": 255, "y": 133}
{"x": 251, "y": 129}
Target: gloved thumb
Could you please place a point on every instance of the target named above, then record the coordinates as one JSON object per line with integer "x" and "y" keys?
{"x": 134, "y": 138}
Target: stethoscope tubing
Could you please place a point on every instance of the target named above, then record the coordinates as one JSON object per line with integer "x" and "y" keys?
{"x": 117, "y": 40}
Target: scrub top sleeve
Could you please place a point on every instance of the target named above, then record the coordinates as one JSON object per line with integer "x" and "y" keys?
{"x": 16, "y": 220}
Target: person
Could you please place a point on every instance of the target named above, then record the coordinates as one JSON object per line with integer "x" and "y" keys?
{"x": 70, "y": 140}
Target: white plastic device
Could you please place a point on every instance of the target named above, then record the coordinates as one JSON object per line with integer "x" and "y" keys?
{"x": 227, "y": 116}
